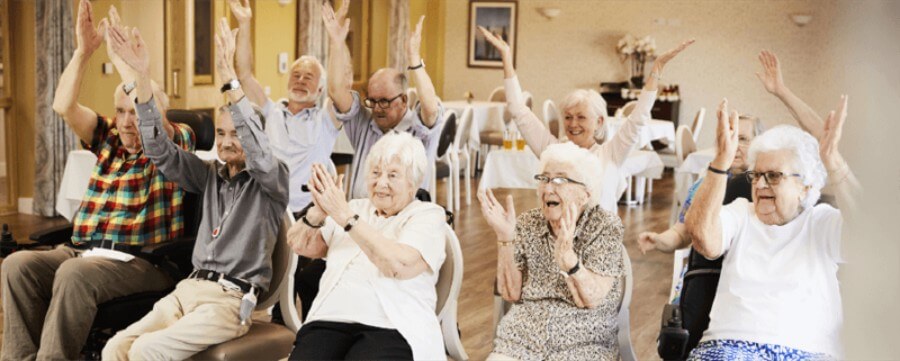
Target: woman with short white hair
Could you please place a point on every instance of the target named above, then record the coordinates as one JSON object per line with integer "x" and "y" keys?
{"x": 584, "y": 112}
{"x": 569, "y": 254}
{"x": 383, "y": 255}
{"x": 778, "y": 296}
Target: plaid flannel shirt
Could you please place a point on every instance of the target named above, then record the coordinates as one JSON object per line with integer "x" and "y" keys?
{"x": 128, "y": 201}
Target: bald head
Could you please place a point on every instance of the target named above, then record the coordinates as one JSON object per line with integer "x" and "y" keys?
{"x": 388, "y": 79}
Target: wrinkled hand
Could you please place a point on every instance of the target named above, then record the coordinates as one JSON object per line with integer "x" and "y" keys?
{"x": 497, "y": 42}
{"x": 328, "y": 195}
{"x": 563, "y": 250}
{"x": 509, "y": 278}
{"x": 831, "y": 136}
{"x": 503, "y": 221}
{"x": 726, "y": 137}
{"x": 647, "y": 241}
{"x": 664, "y": 59}
{"x": 337, "y": 24}
{"x": 241, "y": 12}
{"x": 225, "y": 39}
{"x": 771, "y": 76}
{"x": 131, "y": 56}
{"x": 87, "y": 36}
{"x": 414, "y": 45}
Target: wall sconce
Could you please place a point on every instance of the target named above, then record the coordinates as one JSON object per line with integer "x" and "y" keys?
{"x": 284, "y": 2}
{"x": 801, "y": 19}
{"x": 549, "y": 13}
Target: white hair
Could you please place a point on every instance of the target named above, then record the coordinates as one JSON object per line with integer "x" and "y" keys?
{"x": 403, "y": 147}
{"x": 579, "y": 159}
{"x": 806, "y": 160}
{"x": 594, "y": 101}
{"x": 323, "y": 76}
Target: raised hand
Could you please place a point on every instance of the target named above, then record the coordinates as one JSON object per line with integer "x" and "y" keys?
{"x": 497, "y": 42}
{"x": 831, "y": 136}
{"x": 241, "y": 12}
{"x": 647, "y": 241}
{"x": 133, "y": 59}
{"x": 328, "y": 194}
{"x": 563, "y": 250}
{"x": 414, "y": 44}
{"x": 337, "y": 25}
{"x": 225, "y": 39}
{"x": 503, "y": 221}
{"x": 726, "y": 137}
{"x": 664, "y": 59}
{"x": 87, "y": 36}
{"x": 771, "y": 76}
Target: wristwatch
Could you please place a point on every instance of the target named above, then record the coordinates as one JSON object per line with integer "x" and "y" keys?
{"x": 351, "y": 222}
{"x": 129, "y": 87}
{"x": 234, "y": 84}
{"x": 569, "y": 273}
{"x": 421, "y": 65}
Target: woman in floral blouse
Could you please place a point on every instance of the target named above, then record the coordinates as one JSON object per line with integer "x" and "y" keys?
{"x": 561, "y": 264}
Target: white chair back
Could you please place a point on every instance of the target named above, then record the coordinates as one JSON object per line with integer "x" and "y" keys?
{"x": 684, "y": 143}
{"x": 449, "y": 283}
{"x": 76, "y": 178}
{"x": 412, "y": 97}
{"x": 698, "y": 123}
{"x": 498, "y": 95}
{"x": 626, "y": 351}
{"x": 551, "y": 118}
{"x": 463, "y": 130}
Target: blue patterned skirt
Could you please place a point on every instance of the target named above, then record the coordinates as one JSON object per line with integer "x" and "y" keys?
{"x": 735, "y": 350}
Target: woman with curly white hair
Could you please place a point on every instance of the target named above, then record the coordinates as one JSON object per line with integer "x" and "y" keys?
{"x": 569, "y": 254}
{"x": 584, "y": 112}
{"x": 778, "y": 297}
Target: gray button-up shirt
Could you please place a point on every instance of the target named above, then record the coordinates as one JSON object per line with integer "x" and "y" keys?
{"x": 246, "y": 208}
{"x": 363, "y": 133}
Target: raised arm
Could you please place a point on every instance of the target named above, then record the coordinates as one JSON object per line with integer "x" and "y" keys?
{"x": 535, "y": 133}
{"x": 841, "y": 181}
{"x": 244, "y": 53}
{"x": 774, "y": 83}
{"x": 703, "y": 223}
{"x": 337, "y": 26}
{"x": 588, "y": 288}
{"x": 424, "y": 86}
{"x": 305, "y": 236}
{"x": 80, "y": 118}
{"x": 503, "y": 221}
{"x": 393, "y": 258}
{"x": 261, "y": 163}
{"x": 175, "y": 163}
{"x": 668, "y": 241}
{"x": 625, "y": 140}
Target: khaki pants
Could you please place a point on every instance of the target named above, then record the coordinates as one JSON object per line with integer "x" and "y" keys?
{"x": 197, "y": 315}
{"x": 38, "y": 326}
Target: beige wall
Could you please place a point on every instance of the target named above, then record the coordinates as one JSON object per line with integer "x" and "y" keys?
{"x": 275, "y": 32}
{"x": 576, "y": 50}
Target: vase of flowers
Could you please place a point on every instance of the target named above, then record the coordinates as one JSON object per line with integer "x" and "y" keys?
{"x": 637, "y": 52}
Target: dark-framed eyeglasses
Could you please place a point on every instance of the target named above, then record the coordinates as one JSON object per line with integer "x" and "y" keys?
{"x": 772, "y": 177}
{"x": 555, "y": 180}
{"x": 381, "y": 103}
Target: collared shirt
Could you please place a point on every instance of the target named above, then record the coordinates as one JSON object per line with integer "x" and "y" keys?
{"x": 405, "y": 305}
{"x": 364, "y": 133}
{"x": 242, "y": 213}
{"x": 127, "y": 200}
{"x": 300, "y": 140}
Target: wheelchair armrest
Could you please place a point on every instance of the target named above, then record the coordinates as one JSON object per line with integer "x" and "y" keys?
{"x": 174, "y": 246}
{"x": 52, "y": 236}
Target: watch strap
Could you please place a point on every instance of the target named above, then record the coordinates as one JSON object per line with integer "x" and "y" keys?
{"x": 421, "y": 65}
{"x": 575, "y": 269}
{"x": 351, "y": 222}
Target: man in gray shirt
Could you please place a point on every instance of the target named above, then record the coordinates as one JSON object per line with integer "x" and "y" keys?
{"x": 243, "y": 201}
{"x": 386, "y": 109}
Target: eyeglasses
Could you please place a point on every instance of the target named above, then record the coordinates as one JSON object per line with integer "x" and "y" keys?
{"x": 772, "y": 177}
{"x": 555, "y": 180}
{"x": 381, "y": 103}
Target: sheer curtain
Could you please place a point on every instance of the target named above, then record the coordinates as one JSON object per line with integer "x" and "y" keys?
{"x": 312, "y": 39}
{"x": 399, "y": 34}
{"x": 55, "y": 43}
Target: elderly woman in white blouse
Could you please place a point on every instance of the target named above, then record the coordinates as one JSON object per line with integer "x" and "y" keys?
{"x": 584, "y": 112}
{"x": 778, "y": 297}
{"x": 383, "y": 255}
{"x": 561, "y": 263}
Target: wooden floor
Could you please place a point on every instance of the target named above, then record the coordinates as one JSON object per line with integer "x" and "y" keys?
{"x": 652, "y": 272}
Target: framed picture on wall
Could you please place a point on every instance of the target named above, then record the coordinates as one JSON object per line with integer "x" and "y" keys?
{"x": 500, "y": 18}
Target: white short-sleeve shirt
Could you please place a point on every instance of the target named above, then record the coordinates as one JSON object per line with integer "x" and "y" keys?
{"x": 352, "y": 288}
{"x": 779, "y": 284}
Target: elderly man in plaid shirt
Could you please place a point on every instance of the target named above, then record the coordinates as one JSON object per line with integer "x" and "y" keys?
{"x": 50, "y": 297}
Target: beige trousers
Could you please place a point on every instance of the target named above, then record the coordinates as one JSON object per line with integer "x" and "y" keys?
{"x": 197, "y": 315}
{"x": 38, "y": 326}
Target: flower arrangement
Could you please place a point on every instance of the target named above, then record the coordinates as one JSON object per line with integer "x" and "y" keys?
{"x": 639, "y": 51}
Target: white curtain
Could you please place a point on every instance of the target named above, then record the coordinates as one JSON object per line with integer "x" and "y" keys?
{"x": 54, "y": 45}
{"x": 399, "y": 34}
{"x": 312, "y": 39}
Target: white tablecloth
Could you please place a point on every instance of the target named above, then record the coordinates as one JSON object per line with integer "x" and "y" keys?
{"x": 486, "y": 115}
{"x": 76, "y": 176}
{"x": 516, "y": 169}
{"x": 696, "y": 162}
{"x": 655, "y": 130}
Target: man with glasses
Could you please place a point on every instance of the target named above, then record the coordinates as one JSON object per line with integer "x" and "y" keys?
{"x": 385, "y": 108}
